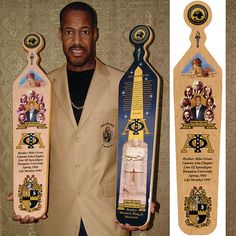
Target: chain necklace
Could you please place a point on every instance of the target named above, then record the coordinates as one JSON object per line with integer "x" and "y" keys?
{"x": 77, "y": 108}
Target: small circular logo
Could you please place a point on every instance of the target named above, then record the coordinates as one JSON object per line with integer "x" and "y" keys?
{"x": 32, "y": 41}
{"x": 197, "y": 14}
{"x": 140, "y": 34}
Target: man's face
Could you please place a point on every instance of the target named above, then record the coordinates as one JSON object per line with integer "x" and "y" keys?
{"x": 40, "y": 97}
{"x": 208, "y": 115}
{"x": 197, "y": 86}
{"x": 78, "y": 37}
{"x": 187, "y": 114}
{"x": 31, "y": 106}
{"x": 24, "y": 98}
{"x": 198, "y": 101}
{"x": 136, "y": 143}
{"x": 41, "y": 117}
{"x": 209, "y": 102}
{"x": 41, "y": 106}
{"x": 188, "y": 92}
{"x": 22, "y": 118}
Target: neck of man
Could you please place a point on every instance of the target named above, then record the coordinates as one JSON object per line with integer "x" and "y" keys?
{"x": 88, "y": 66}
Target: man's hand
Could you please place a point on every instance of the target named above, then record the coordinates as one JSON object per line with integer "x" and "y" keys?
{"x": 135, "y": 228}
{"x": 27, "y": 219}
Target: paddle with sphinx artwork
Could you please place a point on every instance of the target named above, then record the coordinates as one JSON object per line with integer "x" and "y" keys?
{"x": 197, "y": 97}
{"x": 31, "y": 126}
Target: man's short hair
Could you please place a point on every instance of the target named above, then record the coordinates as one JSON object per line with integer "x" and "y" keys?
{"x": 82, "y": 6}
{"x": 211, "y": 99}
{"x": 198, "y": 96}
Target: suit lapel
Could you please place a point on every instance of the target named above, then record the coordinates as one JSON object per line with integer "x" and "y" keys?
{"x": 202, "y": 111}
{"x": 194, "y": 113}
{"x": 61, "y": 90}
{"x": 98, "y": 85}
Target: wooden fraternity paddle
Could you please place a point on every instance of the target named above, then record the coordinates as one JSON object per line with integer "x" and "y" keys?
{"x": 197, "y": 97}
{"x": 31, "y": 126}
{"x": 137, "y": 129}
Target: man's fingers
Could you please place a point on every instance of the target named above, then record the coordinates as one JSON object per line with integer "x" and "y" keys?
{"x": 153, "y": 207}
{"x": 123, "y": 227}
{"x": 10, "y": 197}
{"x": 32, "y": 220}
{"x": 27, "y": 219}
{"x": 44, "y": 217}
{"x": 143, "y": 228}
{"x": 16, "y": 217}
{"x": 131, "y": 228}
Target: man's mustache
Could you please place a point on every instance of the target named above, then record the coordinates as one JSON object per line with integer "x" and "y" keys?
{"x": 77, "y": 46}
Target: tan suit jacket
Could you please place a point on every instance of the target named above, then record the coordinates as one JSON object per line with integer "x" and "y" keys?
{"x": 83, "y": 160}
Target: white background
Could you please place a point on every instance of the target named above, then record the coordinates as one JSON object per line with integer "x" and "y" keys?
{"x": 179, "y": 44}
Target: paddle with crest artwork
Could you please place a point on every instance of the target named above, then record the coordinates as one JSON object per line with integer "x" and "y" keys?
{"x": 197, "y": 98}
{"x": 31, "y": 130}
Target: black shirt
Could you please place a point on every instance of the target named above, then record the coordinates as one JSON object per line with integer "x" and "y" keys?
{"x": 78, "y": 87}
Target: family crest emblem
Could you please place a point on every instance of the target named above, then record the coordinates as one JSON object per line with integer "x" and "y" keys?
{"x": 197, "y": 207}
{"x": 108, "y": 131}
{"x": 30, "y": 193}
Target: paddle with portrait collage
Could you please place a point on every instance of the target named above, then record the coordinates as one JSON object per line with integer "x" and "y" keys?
{"x": 197, "y": 98}
{"x": 31, "y": 130}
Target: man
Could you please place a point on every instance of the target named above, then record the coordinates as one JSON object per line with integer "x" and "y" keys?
{"x": 135, "y": 165}
{"x": 210, "y": 103}
{"x": 209, "y": 115}
{"x": 199, "y": 109}
{"x": 197, "y": 87}
{"x": 24, "y": 99}
{"x": 22, "y": 118}
{"x": 31, "y": 114}
{"x": 185, "y": 103}
{"x": 207, "y": 91}
{"x": 40, "y": 117}
{"x": 187, "y": 116}
{"x": 188, "y": 92}
{"x": 82, "y": 170}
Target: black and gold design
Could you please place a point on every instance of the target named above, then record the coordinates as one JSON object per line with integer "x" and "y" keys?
{"x": 197, "y": 207}
{"x": 30, "y": 140}
{"x": 30, "y": 194}
{"x": 197, "y": 142}
{"x": 198, "y": 99}
{"x": 107, "y": 134}
{"x": 136, "y": 125}
{"x": 197, "y": 14}
{"x": 139, "y": 35}
{"x": 31, "y": 41}
{"x": 135, "y": 204}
